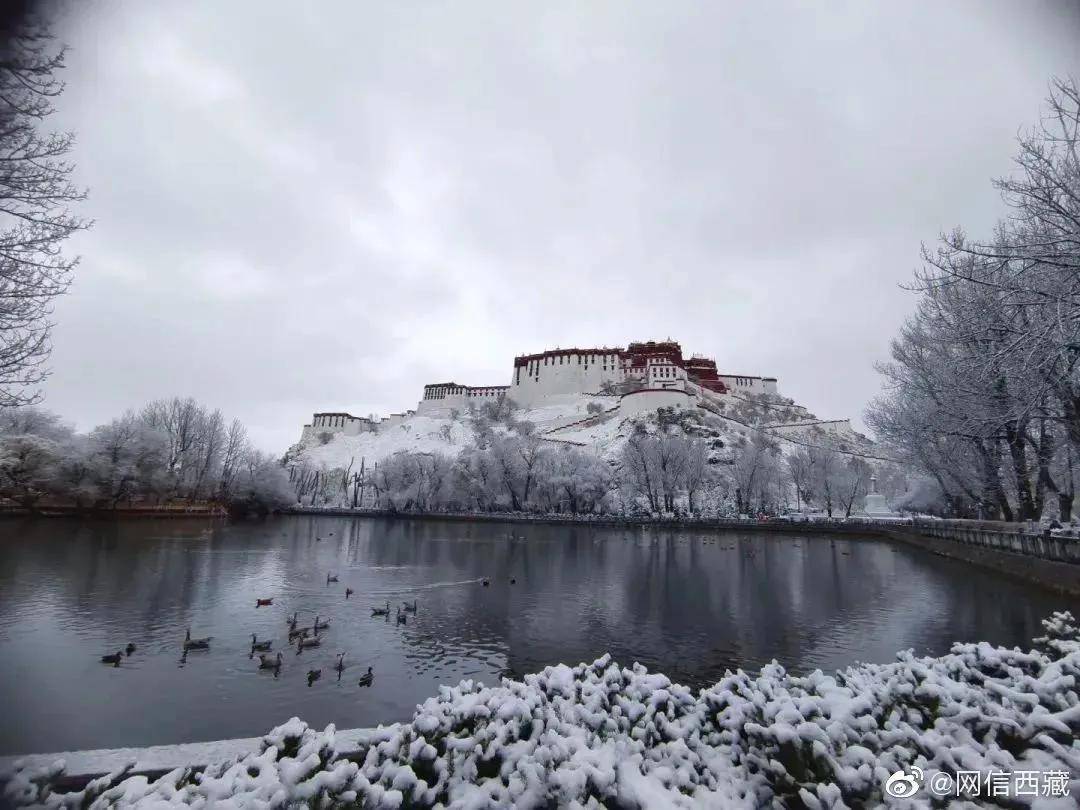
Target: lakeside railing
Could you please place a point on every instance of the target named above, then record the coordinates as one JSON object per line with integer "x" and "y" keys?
{"x": 1011, "y": 537}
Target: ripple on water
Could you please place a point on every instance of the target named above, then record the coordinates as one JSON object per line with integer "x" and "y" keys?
{"x": 688, "y": 603}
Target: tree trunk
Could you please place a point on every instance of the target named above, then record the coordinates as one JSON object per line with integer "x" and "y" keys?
{"x": 1014, "y": 436}
{"x": 994, "y": 492}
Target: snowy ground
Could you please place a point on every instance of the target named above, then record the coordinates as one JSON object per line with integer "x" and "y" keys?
{"x": 433, "y": 434}
{"x": 559, "y": 419}
{"x": 598, "y": 735}
{"x": 424, "y": 434}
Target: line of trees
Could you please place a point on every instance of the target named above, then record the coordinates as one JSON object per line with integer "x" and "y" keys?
{"x": 172, "y": 450}
{"x": 983, "y": 384}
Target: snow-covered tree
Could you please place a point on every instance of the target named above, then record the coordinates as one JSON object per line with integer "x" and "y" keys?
{"x": 983, "y": 383}
{"x": 35, "y": 197}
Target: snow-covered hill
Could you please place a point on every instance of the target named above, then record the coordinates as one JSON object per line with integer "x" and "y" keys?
{"x": 596, "y": 422}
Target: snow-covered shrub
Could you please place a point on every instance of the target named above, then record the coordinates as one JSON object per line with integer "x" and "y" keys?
{"x": 598, "y": 735}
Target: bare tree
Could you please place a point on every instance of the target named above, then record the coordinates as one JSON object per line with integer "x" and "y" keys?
{"x": 853, "y": 483}
{"x": 35, "y": 219}
{"x": 798, "y": 465}
{"x": 235, "y": 445}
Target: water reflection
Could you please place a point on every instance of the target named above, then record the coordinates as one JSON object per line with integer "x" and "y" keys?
{"x": 690, "y": 603}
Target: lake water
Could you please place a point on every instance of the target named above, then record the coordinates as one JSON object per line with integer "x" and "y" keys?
{"x": 689, "y": 603}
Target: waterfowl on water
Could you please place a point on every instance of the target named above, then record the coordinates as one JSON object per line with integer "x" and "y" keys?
{"x": 269, "y": 663}
{"x": 409, "y": 608}
{"x": 306, "y": 643}
{"x": 196, "y": 643}
{"x": 340, "y": 665}
{"x": 113, "y": 659}
{"x": 349, "y": 592}
{"x": 321, "y": 625}
{"x": 331, "y": 578}
{"x": 375, "y": 611}
{"x": 313, "y": 675}
{"x": 367, "y": 678}
{"x": 130, "y": 648}
{"x": 401, "y": 618}
{"x": 292, "y": 622}
{"x": 299, "y": 632}
{"x": 264, "y": 602}
{"x": 513, "y": 580}
{"x": 260, "y": 646}
{"x": 486, "y": 583}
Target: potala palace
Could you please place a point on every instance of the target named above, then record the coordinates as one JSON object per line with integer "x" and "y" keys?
{"x": 558, "y": 383}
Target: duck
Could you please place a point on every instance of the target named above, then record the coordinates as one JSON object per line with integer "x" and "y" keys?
{"x": 266, "y": 662}
{"x": 113, "y": 659}
{"x": 513, "y": 580}
{"x": 196, "y": 643}
{"x": 401, "y": 618}
{"x": 260, "y": 646}
{"x": 291, "y": 622}
{"x": 313, "y": 675}
{"x": 306, "y": 643}
{"x": 349, "y": 592}
{"x": 340, "y": 665}
{"x": 130, "y": 648}
{"x": 376, "y": 611}
{"x": 486, "y": 583}
{"x": 409, "y": 608}
{"x": 321, "y": 625}
{"x": 264, "y": 602}
{"x": 331, "y": 578}
{"x": 367, "y": 678}
{"x": 299, "y": 632}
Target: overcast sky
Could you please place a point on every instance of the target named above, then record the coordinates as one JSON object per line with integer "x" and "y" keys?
{"x": 304, "y": 207}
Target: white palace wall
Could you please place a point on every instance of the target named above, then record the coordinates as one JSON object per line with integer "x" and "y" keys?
{"x": 442, "y": 407}
{"x": 650, "y": 399}
{"x": 335, "y": 423}
{"x": 835, "y": 427}
{"x": 570, "y": 372}
{"x": 442, "y": 398}
{"x": 749, "y": 385}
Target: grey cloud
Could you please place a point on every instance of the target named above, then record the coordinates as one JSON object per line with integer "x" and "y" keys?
{"x": 319, "y": 206}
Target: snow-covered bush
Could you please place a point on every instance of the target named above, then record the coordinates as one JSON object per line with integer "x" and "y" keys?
{"x": 598, "y": 735}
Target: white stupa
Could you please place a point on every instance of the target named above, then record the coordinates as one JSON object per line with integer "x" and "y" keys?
{"x": 877, "y": 505}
